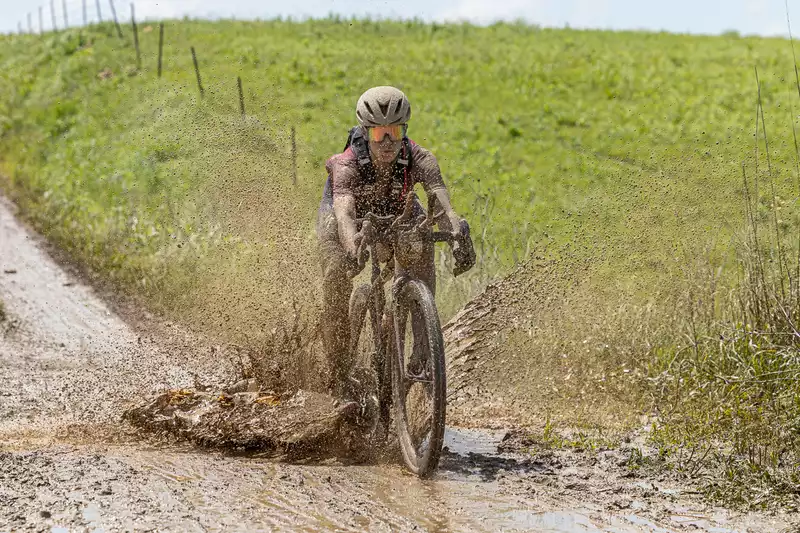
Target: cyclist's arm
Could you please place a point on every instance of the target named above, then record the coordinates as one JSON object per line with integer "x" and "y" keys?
{"x": 427, "y": 172}
{"x": 448, "y": 220}
{"x": 344, "y": 207}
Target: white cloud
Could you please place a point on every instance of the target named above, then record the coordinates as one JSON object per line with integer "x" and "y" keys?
{"x": 485, "y": 11}
{"x": 766, "y": 17}
{"x": 576, "y": 13}
{"x": 756, "y": 8}
{"x": 167, "y": 9}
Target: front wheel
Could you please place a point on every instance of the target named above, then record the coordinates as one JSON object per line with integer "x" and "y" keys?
{"x": 418, "y": 378}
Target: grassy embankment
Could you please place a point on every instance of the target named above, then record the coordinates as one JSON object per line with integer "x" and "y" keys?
{"x": 617, "y": 152}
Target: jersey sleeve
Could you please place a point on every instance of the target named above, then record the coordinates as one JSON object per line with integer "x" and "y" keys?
{"x": 425, "y": 169}
{"x": 343, "y": 175}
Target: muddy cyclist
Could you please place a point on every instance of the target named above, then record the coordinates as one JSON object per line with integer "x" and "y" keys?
{"x": 374, "y": 174}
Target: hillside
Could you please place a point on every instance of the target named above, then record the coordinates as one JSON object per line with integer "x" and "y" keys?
{"x": 534, "y": 129}
{"x": 608, "y": 164}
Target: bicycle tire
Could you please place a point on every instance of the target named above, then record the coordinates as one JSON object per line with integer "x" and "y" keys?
{"x": 416, "y": 297}
{"x": 358, "y": 306}
{"x": 369, "y": 354}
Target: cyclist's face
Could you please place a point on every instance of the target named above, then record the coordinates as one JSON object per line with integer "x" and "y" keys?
{"x": 385, "y": 151}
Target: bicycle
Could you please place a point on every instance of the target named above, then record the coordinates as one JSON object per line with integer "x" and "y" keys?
{"x": 414, "y": 385}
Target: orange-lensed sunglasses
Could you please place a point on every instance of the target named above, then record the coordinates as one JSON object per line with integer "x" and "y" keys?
{"x": 395, "y": 133}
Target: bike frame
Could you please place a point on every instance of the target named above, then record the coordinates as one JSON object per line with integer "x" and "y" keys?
{"x": 404, "y": 235}
{"x": 400, "y": 228}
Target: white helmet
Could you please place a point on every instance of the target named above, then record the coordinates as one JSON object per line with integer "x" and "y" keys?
{"x": 383, "y": 106}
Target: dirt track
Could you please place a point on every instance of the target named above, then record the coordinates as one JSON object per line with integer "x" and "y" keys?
{"x": 69, "y": 366}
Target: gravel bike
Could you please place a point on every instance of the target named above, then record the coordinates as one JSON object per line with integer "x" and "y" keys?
{"x": 403, "y": 346}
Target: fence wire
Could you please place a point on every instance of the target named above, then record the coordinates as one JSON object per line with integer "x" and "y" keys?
{"x": 57, "y": 15}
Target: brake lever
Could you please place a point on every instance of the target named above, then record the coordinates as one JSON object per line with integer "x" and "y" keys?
{"x": 408, "y": 210}
{"x": 431, "y": 216}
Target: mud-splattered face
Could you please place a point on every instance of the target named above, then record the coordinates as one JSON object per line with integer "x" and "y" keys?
{"x": 385, "y": 152}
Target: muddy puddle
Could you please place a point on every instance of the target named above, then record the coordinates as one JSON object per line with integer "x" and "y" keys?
{"x": 476, "y": 490}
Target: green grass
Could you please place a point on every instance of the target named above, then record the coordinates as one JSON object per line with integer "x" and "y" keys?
{"x": 730, "y": 399}
{"x": 615, "y": 154}
{"x": 535, "y": 130}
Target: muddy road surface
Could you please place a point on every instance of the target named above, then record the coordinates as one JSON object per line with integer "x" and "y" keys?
{"x": 69, "y": 366}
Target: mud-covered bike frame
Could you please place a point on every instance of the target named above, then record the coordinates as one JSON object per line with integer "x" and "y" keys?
{"x": 407, "y": 237}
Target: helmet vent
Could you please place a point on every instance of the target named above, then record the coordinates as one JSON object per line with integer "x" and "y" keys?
{"x": 366, "y": 104}
{"x": 384, "y": 109}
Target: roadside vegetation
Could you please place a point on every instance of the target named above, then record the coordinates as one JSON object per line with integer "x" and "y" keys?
{"x": 729, "y": 395}
{"x": 608, "y": 166}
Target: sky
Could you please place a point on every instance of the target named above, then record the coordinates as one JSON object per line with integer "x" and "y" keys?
{"x": 761, "y": 17}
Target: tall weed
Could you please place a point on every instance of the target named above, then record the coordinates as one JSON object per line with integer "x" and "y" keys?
{"x": 734, "y": 389}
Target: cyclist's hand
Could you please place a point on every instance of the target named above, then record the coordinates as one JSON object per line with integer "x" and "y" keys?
{"x": 463, "y": 251}
{"x": 360, "y": 258}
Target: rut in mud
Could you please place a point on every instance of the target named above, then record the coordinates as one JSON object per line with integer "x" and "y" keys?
{"x": 70, "y": 366}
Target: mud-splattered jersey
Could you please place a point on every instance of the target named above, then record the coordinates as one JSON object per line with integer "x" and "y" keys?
{"x": 379, "y": 197}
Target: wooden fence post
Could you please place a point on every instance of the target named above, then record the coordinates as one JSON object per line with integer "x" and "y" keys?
{"x": 160, "y": 45}
{"x": 64, "y": 8}
{"x": 53, "y": 14}
{"x": 114, "y": 15}
{"x": 85, "y": 18}
{"x": 294, "y": 157}
{"x": 30, "y": 24}
{"x": 99, "y": 13}
{"x": 41, "y": 21}
{"x": 136, "y": 38}
{"x": 197, "y": 72}
{"x": 241, "y": 95}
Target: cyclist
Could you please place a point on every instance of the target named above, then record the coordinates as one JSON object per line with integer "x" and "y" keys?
{"x": 377, "y": 170}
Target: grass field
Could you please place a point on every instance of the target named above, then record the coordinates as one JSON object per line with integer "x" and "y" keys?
{"x": 618, "y": 150}
{"x": 631, "y": 132}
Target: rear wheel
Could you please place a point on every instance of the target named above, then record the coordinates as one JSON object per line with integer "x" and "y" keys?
{"x": 361, "y": 344}
{"x": 369, "y": 374}
{"x": 418, "y": 375}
